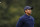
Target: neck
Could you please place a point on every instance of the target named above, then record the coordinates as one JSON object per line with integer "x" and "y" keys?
{"x": 27, "y": 14}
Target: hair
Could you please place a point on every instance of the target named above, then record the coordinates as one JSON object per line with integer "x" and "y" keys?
{"x": 24, "y": 10}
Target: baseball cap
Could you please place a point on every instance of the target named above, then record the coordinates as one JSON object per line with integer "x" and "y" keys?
{"x": 28, "y": 7}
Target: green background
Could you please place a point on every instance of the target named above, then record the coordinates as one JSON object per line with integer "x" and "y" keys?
{"x": 12, "y": 10}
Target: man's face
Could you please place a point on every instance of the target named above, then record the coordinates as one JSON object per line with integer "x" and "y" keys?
{"x": 28, "y": 11}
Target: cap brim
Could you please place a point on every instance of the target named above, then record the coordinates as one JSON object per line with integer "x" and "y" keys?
{"x": 31, "y": 7}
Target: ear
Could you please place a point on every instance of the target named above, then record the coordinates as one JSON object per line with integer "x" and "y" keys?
{"x": 25, "y": 10}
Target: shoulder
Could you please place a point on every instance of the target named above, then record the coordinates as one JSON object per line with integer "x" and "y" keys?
{"x": 21, "y": 18}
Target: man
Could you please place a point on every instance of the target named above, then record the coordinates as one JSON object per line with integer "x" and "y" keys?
{"x": 26, "y": 20}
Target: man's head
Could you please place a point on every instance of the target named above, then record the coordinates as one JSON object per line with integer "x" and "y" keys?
{"x": 28, "y": 10}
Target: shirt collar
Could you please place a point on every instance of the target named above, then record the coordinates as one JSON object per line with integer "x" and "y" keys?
{"x": 27, "y": 15}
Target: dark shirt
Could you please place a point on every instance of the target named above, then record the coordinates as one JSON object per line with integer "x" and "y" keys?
{"x": 25, "y": 21}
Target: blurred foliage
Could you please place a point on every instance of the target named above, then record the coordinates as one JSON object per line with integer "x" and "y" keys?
{"x": 11, "y": 10}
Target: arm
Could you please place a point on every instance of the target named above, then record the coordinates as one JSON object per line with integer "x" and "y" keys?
{"x": 19, "y": 23}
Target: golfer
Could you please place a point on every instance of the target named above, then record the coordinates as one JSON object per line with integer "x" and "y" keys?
{"x": 26, "y": 20}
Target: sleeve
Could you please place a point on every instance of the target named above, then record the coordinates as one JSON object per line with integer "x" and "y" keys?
{"x": 19, "y": 23}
